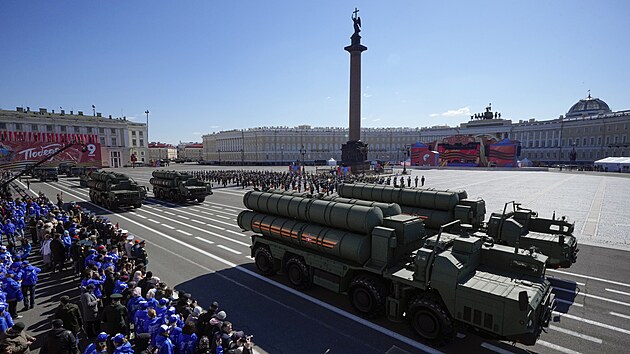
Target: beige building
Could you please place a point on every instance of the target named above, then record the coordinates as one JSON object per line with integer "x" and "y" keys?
{"x": 589, "y": 127}
{"x": 190, "y": 151}
{"x": 162, "y": 151}
{"x": 119, "y": 138}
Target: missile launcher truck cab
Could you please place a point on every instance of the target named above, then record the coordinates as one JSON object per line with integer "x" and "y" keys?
{"x": 553, "y": 238}
{"x": 84, "y": 175}
{"x": 113, "y": 190}
{"x": 179, "y": 186}
{"x": 387, "y": 265}
{"x": 523, "y": 227}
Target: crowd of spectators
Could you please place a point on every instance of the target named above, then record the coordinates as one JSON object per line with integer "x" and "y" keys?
{"x": 122, "y": 308}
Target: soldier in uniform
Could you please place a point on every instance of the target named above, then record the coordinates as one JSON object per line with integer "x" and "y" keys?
{"x": 115, "y": 317}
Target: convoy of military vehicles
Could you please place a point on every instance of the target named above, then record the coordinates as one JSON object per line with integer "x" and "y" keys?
{"x": 417, "y": 254}
{"x": 421, "y": 255}
{"x": 179, "y": 186}
{"x": 113, "y": 190}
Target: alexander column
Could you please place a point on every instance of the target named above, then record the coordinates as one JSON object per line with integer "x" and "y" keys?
{"x": 354, "y": 152}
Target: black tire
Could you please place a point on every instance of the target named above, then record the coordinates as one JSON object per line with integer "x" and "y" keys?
{"x": 298, "y": 273}
{"x": 264, "y": 261}
{"x": 201, "y": 199}
{"x": 137, "y": 205}
{"x": 172, "y": 196}
{"x": 429, "y": 320}
{"x": 367, "y": 296}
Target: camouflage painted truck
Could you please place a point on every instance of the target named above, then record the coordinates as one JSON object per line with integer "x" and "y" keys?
{"x": 179, "y": 186}
{"x": 113, "y": 190}
{"x": 515, "y": 226}
{"x": 388, "y": 265}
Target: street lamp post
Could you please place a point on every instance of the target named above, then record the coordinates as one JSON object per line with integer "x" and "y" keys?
{"x": 302, "y": 152}
{"x": 281, "y": 154}
{"x": 147, "y": 113}
{"x": 242, "y": 157}
{"x": 219, "y": 152}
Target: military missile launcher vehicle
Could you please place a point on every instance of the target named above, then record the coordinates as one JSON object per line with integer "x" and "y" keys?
{"x": 179, "y": 186}
{"x": 113, "y": 190}
{"x": 389, "y": 265}
{"x": 520, "y": 227}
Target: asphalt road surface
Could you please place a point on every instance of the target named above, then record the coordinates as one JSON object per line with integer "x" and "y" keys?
{"x": 199, "y": 248}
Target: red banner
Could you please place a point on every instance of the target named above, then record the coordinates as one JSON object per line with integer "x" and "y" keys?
{"x": 21, "y": 153}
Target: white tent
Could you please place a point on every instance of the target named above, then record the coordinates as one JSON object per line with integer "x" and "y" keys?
{"x": 332, "y": 162}
{"x": 614, "y": 164}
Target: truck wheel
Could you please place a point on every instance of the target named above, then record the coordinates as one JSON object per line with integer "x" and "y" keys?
{"x": 298, "y": 273}
{"x": 430, "y": 320}
{"x": 201, "y": 199}
{"x": 137, "y": 205}
{"x": 264, "y": 261}
{"x": 367, "y": 296}
{"x": 172, "y": 196}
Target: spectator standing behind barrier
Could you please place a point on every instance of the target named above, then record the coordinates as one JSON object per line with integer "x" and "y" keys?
{"x": 58, "y": 253}
{"x": 163, "y": 342}
{"x": 19, "y": 340}
{"x": 46, "y": 251}
{"x": 99, "y": 345}
{"x": 70, "y": 315}
{"x": 59, "y": 340}
{"x": 146, "y": 283}
{"x": 89, "y": 305}
{"x": 115, "y": 317}
{"x": 14, "y": 294}
{"x": 121, "y": 344}
{"x": 187, "y": 341}
{"x": 6, "y": 321}
{"x": 29, "y": 280}
{"x": 140, "y": 254}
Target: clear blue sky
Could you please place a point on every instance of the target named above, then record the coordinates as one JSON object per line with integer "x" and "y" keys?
{"x": 204, "y": 66}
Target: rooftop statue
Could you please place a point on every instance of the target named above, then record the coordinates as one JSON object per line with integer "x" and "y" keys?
{"x": 357, "y": 21}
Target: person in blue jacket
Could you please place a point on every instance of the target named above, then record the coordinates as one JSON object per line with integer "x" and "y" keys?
{"x": 25, "y": 249}
{"x": 140, "y": 318}
{"x": 152, "y": 325}
{"x": 29, "y": 280}
{"x": 96, "y": 347}
{"x": 20, "y": 224}
{"x": 6, "y": 321}
{"x": 120, "y": 284}
{"x": 174, "y": 330}
{"x": 163, "y": 342}
{"x": 9, "y": 230}
{"x": 133, "y": 304}
{"x": 6, "y": 255}
{"x": 122, "y": 345}
{"x": 14, "y": 294}
{"x": 187, "y": 341}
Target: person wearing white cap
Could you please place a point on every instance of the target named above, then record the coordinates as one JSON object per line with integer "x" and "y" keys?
{"x": 128, "y": 245}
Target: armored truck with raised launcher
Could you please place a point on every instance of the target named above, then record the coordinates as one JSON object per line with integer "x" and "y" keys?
{"x": 179, "y": 186}
{"x": 388, "y": 265}
{"x": 518, "y": 227}
{"x": 113, "y": 190}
